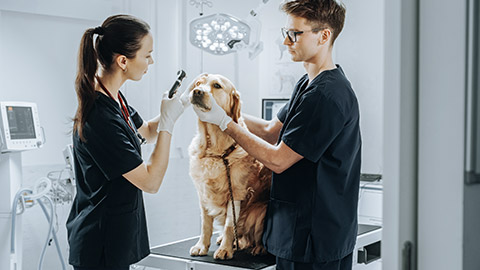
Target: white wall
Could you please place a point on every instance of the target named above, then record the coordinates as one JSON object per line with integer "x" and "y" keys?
{"x": 360, "y": 51}
{"x": 441, "y": 134}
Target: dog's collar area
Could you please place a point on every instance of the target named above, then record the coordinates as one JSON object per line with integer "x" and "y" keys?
{"x": 229, "y": 150}
{"x": 226, "y": 153}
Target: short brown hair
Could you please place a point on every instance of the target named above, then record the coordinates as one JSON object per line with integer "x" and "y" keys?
{"x": 321, "y": 14}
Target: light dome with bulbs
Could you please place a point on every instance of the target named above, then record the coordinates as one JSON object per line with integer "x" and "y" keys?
{"x": 219, "y": 33}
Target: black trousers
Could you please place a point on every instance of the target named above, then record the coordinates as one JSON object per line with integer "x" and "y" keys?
{"x": 103, "y": 268}
{"x": 342, "y": 264}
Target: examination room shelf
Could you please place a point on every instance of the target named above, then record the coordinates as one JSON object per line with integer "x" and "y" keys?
{"x": 173, "y": 256}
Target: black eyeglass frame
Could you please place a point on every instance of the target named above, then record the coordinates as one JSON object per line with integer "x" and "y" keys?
{"x": 286, "y": 33}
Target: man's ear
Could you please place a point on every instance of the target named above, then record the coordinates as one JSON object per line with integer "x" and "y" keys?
{"x": 325, "y": 36}
{"x": 121, "y": 61}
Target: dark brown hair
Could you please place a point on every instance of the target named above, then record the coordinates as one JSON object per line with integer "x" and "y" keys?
{"x": 321, "y": 14}
{"x": 118, "y": 35}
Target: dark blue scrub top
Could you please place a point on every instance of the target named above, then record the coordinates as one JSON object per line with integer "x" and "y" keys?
{"x": 312, "y": 213}
{"x": 107, "y": 225}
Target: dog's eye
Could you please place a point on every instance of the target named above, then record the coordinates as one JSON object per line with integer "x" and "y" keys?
{"x": 216, "y": 85}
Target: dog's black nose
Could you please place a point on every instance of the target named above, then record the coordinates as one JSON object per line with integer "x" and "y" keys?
{"x": 197, "y": 92}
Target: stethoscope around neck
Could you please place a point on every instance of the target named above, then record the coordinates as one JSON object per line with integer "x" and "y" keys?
{"x": 124, "y": 110}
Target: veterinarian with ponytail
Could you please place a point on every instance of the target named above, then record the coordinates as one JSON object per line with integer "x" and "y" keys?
{"x": 107, "y": 226}
{"x": 313, "y": 147}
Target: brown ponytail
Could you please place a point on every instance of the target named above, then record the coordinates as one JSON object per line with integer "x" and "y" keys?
{"x": 85, "y": 81}
{"x": 118, "y": 35}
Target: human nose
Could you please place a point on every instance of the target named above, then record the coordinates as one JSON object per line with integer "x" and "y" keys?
{"x": 287, "y": 41}
{"x": 151, "y": 61}
{"x": 285, "y": 35}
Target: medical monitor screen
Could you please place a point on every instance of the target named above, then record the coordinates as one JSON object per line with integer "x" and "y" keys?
{"x": 20, "y": 121}
{"x": 270, "y": 107}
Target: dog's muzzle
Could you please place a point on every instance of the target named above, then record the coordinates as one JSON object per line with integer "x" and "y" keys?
{"x": 201, "y": 99}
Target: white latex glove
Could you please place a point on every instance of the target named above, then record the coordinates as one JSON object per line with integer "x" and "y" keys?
{"x": 170, "y": 110}
{"x": 185, "y": 99}
{"x": 216, "y": 115}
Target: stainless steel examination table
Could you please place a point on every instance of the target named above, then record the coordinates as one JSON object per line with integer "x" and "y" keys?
{"x": 173, "y": 256}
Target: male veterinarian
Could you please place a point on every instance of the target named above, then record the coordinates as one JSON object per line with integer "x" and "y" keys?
{"x": 312, "y": 146}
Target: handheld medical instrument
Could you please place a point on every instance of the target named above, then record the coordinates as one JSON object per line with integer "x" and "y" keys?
{"x": 181, "y": 75}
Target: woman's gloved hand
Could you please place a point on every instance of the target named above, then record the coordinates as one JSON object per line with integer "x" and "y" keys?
{"x": 216, "y": 115}
{"x": 170, "y": 110}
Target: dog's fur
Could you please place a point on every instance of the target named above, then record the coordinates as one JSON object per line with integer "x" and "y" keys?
{"x": 250, "y": 179}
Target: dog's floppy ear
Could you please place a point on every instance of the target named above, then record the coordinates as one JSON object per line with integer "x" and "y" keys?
{"x": 235, "y": 106}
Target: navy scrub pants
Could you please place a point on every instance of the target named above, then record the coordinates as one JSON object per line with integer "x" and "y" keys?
{"x": 342, "y": 264}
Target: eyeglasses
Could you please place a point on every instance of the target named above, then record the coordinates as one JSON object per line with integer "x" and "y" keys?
{"x": 292, "y": 35}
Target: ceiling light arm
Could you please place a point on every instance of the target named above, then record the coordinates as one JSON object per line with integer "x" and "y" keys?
{"x": 255, "y": 47}
{"x": 201, "y": 3}
{"x": 256, "y": 11}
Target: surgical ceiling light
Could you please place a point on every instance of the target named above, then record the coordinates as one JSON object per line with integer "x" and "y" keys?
{"x": 218, "y": 33}
{"x": 221, "y": 33}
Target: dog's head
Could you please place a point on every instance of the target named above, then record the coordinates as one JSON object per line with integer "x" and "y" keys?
{"x": 222, "y": 90}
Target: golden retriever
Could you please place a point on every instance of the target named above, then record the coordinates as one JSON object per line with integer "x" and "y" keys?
{"x": 250, "y": 179}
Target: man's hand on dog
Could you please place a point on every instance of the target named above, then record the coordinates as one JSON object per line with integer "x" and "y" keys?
{"x": 216, "y": 115}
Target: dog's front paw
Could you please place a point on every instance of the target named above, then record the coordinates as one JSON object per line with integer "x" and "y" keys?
{"x": 198, "y": 250}
{"x": 258, "y": 250}
{"x": 223, "y": 254}
{"x": 243, "y": 243}
{"x": 219, "y": 239}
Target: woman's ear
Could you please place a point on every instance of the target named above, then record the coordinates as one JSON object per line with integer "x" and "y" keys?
{"x": 236, "y": 106}
{"x": 121, "y": 61}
